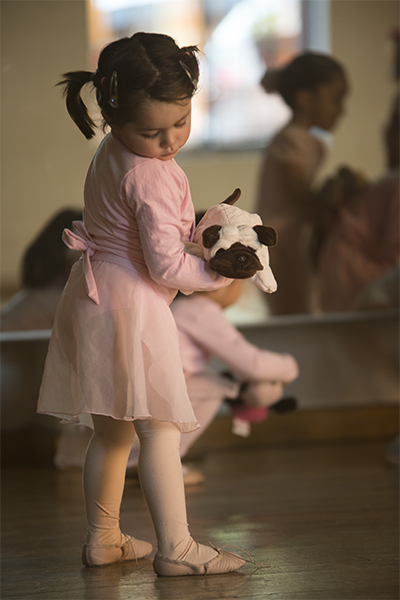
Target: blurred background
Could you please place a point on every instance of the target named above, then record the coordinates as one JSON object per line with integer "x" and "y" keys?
{"x": 44, "y": 157}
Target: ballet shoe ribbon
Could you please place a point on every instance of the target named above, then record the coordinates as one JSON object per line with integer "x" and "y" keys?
{"x": 250, "y": 559}
{"x": 79, "y": 239}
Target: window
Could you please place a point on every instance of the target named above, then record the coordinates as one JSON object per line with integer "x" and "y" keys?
{"x": 239, "y": 39}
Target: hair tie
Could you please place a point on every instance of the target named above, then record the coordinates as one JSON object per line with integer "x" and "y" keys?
{"x": 188, "y": 72}
{"x": 113, "y": 100}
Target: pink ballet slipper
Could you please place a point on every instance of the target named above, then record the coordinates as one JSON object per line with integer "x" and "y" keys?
{"x": 132, "y": 549}
{"x": 224, "y": 562}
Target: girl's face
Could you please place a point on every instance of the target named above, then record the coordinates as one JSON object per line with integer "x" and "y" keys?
{"x": 159, "y": 131}
{"x": 328, "y": 103}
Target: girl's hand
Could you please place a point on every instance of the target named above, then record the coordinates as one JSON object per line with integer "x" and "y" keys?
{"x": 194, "y": 249}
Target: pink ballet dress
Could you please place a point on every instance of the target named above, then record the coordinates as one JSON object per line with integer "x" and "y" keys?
{"x": 362, "y": 244}
{"x": 114, "y": 346}
{"x": 293, "y": 148}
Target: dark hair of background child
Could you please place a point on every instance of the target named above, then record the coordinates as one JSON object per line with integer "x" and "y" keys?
{"x": 45, "y": 261}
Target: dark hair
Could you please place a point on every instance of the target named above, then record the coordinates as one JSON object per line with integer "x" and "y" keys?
{"x": 46, "y": 260}
{"x": 146, "y": 66}
{"x": 305, "y": 72}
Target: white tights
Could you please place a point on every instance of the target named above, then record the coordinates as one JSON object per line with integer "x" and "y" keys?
{"x": 161, "y": 480}
{"x": 205, "y": 411}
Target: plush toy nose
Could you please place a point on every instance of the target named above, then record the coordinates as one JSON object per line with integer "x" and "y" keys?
{"x": 237, "y": 262}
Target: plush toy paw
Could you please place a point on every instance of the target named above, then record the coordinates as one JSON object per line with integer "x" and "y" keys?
{"x": 236, "y": 242}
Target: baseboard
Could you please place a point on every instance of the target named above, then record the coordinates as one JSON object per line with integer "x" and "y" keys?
{"x": 305, "y": 427}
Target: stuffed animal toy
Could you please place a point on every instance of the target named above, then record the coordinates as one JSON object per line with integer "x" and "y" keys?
{"x": 253, "y": 406}
{"x": 235, "y": 243}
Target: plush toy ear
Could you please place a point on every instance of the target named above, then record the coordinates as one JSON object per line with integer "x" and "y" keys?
{"x": 211, "y": 235}
{"x": 233, "y": 197}
{"x": 266, "y": 235}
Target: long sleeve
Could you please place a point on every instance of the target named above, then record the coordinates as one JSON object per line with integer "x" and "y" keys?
{"x": 202, "y": 324}
{"x": 165, "y": 215}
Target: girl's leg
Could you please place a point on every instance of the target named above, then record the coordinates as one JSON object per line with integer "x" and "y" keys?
{"x": 72, "y": 446}
{"x": 205, "y": 411}
{"x": 103, "y": 485}
{"x": 161, "y": 479}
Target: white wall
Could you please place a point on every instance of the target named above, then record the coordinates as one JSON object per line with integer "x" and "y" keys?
{"x": 360, "y": 39}
{"x": 214, "y": 175}
{"x": 43, "y": 155}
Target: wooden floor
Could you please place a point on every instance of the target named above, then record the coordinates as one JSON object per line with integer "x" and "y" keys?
{"x": 324, "y": 517}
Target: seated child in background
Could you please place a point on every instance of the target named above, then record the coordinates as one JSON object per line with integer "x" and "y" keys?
{"x": 45, "y": 269}
{"x": 205, "y": 333}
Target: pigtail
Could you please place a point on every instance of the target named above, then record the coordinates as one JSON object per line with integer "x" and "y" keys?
{"x": 190, "y": 64}
{"x": 73, "y": 83}
{"x": 129, "y": 72}
{"x": 306, "y": 71}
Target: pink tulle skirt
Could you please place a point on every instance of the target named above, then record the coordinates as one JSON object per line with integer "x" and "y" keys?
{"x": 118, "y": 358}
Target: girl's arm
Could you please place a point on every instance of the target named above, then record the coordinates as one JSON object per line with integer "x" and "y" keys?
{"x": 165, "y": 215}
{"x": 205, "y": 323}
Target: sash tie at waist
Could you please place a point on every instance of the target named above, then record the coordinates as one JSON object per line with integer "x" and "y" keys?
{"x": 82, "y": 241}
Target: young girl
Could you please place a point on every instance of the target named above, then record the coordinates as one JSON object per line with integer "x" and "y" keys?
{"x": 314, "y": 86}
{"x": 114, "y": 350}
